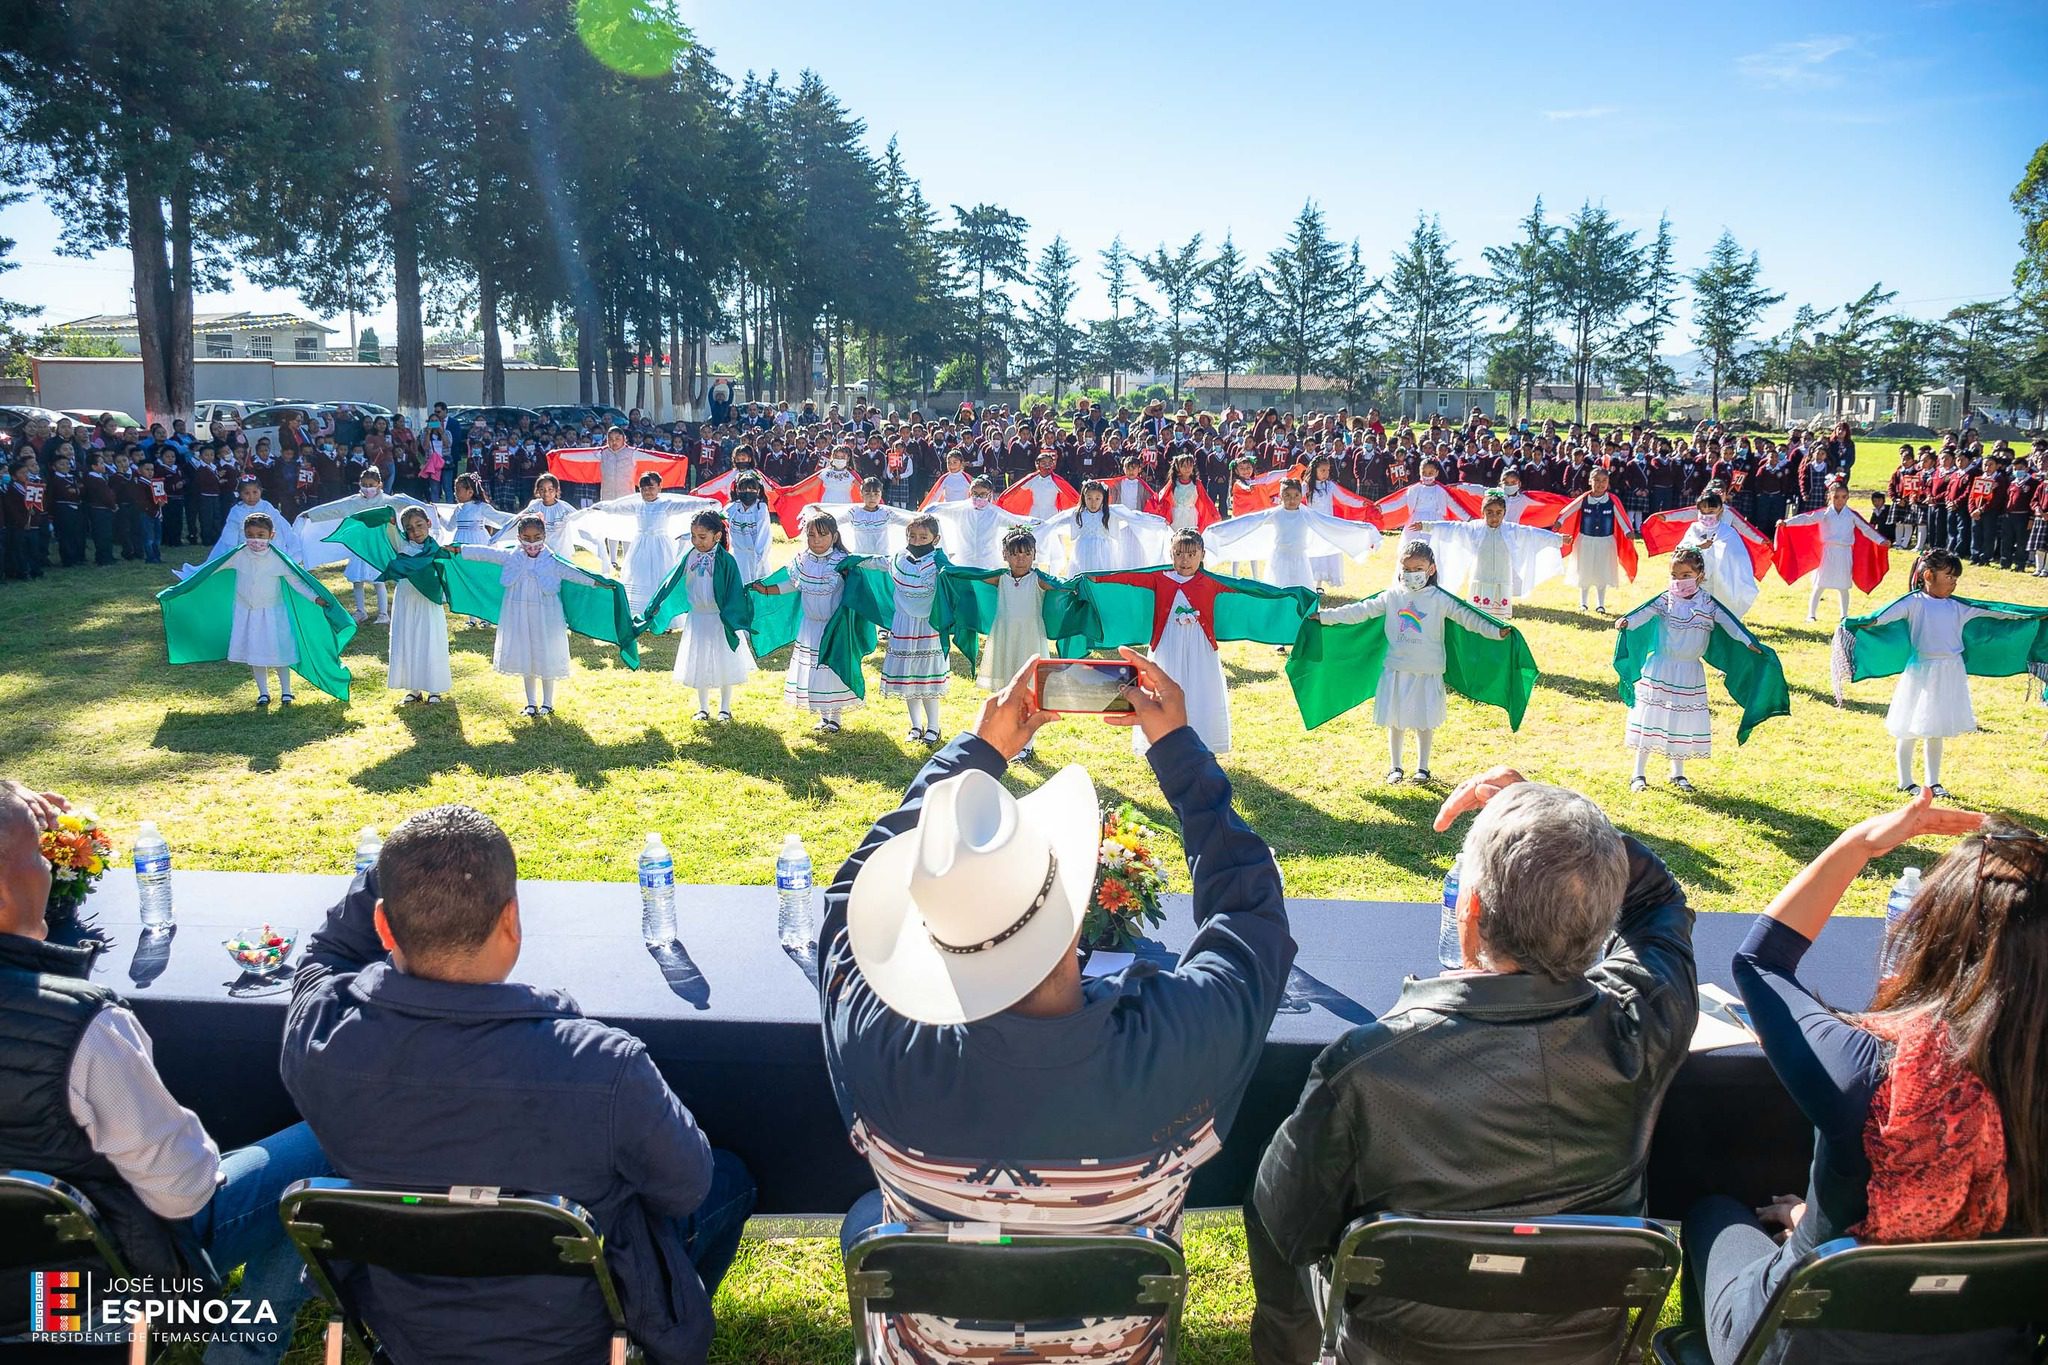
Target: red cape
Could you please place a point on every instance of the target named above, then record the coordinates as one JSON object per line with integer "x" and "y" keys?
{"x": 1016, "y": 499}
{"x": 720, "y": 487}
{"x": 1662, "y": 532}
{"x": 1799, "y": 551}
{"x": 1393, "y": 513}
{"x": 579, "y": 464}
{"x": 1161, "y": 506}
{"x": 790, "y": 502}
{"x": 1624, "y": 547}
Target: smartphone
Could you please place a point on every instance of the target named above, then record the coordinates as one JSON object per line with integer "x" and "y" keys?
{"x": 1083, "y": 686}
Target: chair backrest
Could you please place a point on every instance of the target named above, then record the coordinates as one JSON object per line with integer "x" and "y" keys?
{"x": 469, "y": 1232}
{"x": 1565, "y": 1263}
{"x": 976, "y": 1273}
{"x": 1910, "y": 1289}
{"x": 45, "y": 1223}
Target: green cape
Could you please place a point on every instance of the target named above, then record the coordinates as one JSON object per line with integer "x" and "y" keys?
{"x": 598, "y": 610}
{"x": 965, "y": 610}
{"x": 672, "y": 599}
{"x": 199, "y": 618}
{"x": 1991, "y": 648}
{"x": 848, "y": 636}
{"x": 1334, "y": 668}
{"x": 1756, "y": 681}
{"x": 363, "y": 535}
{"x": 1250, "y": 611}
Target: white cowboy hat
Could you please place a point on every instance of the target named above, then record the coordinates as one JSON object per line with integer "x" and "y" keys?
{"x": 965, "y": 914}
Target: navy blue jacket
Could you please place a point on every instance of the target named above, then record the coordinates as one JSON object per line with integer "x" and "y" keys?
{"x": 408, "y": 1081}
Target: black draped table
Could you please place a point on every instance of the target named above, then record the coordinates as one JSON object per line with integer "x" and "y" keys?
{"x": 733, "y": 1023}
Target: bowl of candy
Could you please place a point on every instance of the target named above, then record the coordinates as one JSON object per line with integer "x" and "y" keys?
{"x": 261, "y": 951}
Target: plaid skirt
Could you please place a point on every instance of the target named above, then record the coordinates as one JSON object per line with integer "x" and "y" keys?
{"x": 1637, "y": 503}
{"x": 2037, "y": 536}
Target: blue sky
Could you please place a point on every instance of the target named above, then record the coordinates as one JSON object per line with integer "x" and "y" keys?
{"x": 1846, "y": 143}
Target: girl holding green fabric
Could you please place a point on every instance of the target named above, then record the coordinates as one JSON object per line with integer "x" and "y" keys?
{"x": 708, "y": 657}
{"x": 419, "y": 623}
{"x": 262, "y": 632}
{"x": 1669, "y": 715}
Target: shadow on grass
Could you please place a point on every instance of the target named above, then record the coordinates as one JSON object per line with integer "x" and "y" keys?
{"x": 261, "y": 735}
{"x": 1825, "y": 697}
{"x": 1562, "y": 616}
{"x": 543, "y": 744}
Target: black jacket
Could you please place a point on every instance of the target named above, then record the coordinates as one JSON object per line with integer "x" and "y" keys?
{"x": 1488, "y": 1094}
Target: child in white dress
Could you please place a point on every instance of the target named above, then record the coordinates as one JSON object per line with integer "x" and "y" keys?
{"x": 1411, "y": 688}
{"x": 810, "y": 685}
{"x": 872, "y": 529}
{"x": 976, "y": 528}
{"x": 472, "y": 520}
{"x": 1594, "y": 562}
{"x": 1100, "y": 535}
{"x": 1838, "y": 525}
{"x": 360, "y": 574}
{"x": 419, "y": 625}
{"x": 1493, "y": 561}
{"x": 651, "y": 525}
{"x": 750, "y": 526}
{"x": 1670, "y": 715}
{"x": 554, "y": 513}
{"x": 914, "y": 667}
{"x": 705, "y": 659}
{"x": 1184, "y": 638}
{"x": 1017, "y": 635}
{"x": 1932, "y": 699}
{"x": 533, "y": 634}
{"x": 261, "y": 636}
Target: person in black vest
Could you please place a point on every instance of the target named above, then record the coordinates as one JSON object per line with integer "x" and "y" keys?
{"x": 80, "y": 1099}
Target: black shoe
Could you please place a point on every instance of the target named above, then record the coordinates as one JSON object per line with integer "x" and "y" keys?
{"x": 1910, "y": 788}
{"x": 286, "y": 700}
{"x": 263, "y": 699}
{"x": 529, "y": 711}
{"x": 1422, "y": 777}
{"x": 1639, "y": 784}
{"x": 1682, "y": 783}
{"x": 1941, "y": 793}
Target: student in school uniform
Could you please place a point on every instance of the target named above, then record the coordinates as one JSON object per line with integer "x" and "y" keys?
{"x": 23, "y": 510}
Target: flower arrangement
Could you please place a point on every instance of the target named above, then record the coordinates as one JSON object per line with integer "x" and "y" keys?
{"x": 1129, "y": 880}
{"x": 78, "y": 850}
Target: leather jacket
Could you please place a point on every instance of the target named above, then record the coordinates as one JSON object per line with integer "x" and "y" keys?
{"x": 1492, "y": 1094}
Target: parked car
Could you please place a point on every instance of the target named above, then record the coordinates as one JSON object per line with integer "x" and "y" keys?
{"x": 573, "y": 414}
{"x": 15, "y": 420}
{"x": 92, "y": 418}
{"x": 463, "y": 418}
{"x": 229, "y": 412}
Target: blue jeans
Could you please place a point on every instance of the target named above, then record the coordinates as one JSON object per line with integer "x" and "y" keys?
{"x": 153, "y": 538}
{"x": 241, "y": 1227}
{"x": 710, "y": 1236}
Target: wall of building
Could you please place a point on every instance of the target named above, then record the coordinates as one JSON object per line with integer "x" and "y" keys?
{"x": 116, "y": 384}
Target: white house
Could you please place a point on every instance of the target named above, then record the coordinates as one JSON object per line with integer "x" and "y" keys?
{"x": 1426, "y": 401}
{"x": 222, "y": 336}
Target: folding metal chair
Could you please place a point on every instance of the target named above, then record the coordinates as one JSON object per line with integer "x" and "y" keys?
{"x": 1566, "y": 1263}
{"x": 469, "y": 1232}
{"x": 46, "y": 1224}
{"x": 1909, "y": 1290}
{"x": 973, "y": 1272}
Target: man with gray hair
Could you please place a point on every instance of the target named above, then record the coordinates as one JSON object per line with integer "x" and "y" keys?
{"x": 1526, "y": 1082}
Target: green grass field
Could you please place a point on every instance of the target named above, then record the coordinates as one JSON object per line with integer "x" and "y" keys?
{"x": 98, "y": 714}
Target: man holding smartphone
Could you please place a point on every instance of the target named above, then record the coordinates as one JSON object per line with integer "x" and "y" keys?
{"x": 974, "y": 1064}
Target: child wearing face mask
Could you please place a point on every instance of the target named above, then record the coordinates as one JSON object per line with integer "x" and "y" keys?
{"x": 1414, "y": 612}
{"x": 749, "y": 525}
{"x": 369, "y": 494}
{"x": 1669, "y": 715}
{"x": 915, "y": 667}
{"x": 706, "y": 590}
{"x": 976, "y": 528}
{"x": 551, "y": 507}
{"x": 533, "y": 633}
{"x": 817, "y": 572}
{"x": 419, "y": 622}
{"x": 262, "y": 633}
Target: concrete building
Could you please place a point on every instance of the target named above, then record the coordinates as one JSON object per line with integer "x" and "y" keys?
{"x": 1254, "y": 392}
{"x": 1425, "y": 402}
{"x": 221, "y": 336}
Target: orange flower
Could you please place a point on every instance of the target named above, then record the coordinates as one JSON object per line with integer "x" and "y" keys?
{"x": 1113, "y": 895}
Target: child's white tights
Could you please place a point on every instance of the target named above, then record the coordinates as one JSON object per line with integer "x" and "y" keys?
{"x": 924, "y": 712}
{"x": 540, "y": 691}
{"x": 724, "y": 699}
{"x": 383, "y": 598}
{"x": 1643, "y": 764}
{"x": 1905, "y": 757}
{"x": 1813, "y": 601}
{"x": 284, "y": 681}
{"x": 1423, "y": 740}
{"x": 1599, "y": 597}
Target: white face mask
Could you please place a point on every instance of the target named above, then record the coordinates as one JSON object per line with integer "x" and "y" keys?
{"x": 1414, "y": 578}
{"x": 839, "y": 462}
{"x": 257, "y": 543}
{"x": 533, "y": 548}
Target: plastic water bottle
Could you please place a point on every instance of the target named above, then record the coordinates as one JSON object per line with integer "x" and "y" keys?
{"x": 368, "y": 845}
{"x": 793, "y": 895}
{"x": 1448, "y": 952}
{"x": 1895, "y": 907}
{"x": 657, "y": 893}
{"x": 153, "y": 878}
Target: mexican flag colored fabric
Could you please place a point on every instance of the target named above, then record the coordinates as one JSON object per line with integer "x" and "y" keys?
{"x": 199, "y": 620}
{"x": 1134, "y": 614}
{"x": 1755, "y": 680}
{"x": 597, "y": 610}
{"x": 1880, "y": 644}
{"x": 366, "y": 536}
{"x": 965, "y": 610}
{"x": 1804, "y": 541}
{"x": 585, "y": 464}
{"x": 1334, "y": 668}
{"x": 672, "y": 598}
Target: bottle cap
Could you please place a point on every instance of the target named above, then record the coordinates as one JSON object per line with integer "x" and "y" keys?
{"x": 653, "y": 839}
{"x": 1912, "y": 874}
{"x": 366, "y": 832}
{"x": 146, "y": 828}
{"x": 792, "y": 843}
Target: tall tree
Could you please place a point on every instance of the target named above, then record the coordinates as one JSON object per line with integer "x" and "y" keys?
{"x": 989, "y": 242}
{"x": 1305, "y": 299}
{"x": 1844, "y": 355}
{"x": 1051, "y": 340}
{"x": 1727, "y": 305}
{"x": 1118, "y": 342}
{"x": 1903, "y": 361}
{"x": 1233, "y": 301}
{"x": 1177, "y": 275}
{"x": 1357, "y": 359}
{"x": 1977, "y": 343}
{"x": 1596, "y": 271}
{"x": 1638, "y": 361}
{"x": 2030, "y": 201}
{"x": 1519, "y": 283}
{"x": 1428, "y": 304}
